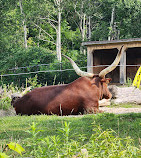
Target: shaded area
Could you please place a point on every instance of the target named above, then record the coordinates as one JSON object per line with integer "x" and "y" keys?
{"x": 106, "y": 57}
{"x": 133, "y": 57}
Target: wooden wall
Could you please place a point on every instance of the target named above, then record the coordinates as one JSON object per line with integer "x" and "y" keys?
{"x": 107, "y": 56}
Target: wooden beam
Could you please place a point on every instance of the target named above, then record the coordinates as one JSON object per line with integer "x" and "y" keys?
{"x": 121, "y": 42}
{"x": 89, "y": 60}
{"x": 123, "y": 67}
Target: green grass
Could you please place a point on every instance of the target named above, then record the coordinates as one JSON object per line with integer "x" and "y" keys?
{"x": 124, "y": 105}
{"x": 15, "y": 128}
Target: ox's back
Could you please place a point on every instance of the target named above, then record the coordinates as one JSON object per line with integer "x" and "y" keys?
{"x": 61, "y": 100}
{"x": 34, "y": 102}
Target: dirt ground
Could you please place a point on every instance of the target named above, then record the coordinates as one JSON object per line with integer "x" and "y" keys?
{"x": 120, "y": 110}
{"x": 104, "y": 109}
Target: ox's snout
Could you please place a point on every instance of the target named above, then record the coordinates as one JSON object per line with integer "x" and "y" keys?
{"x": 107, "y": 96}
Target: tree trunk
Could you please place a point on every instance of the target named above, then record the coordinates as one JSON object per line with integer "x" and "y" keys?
{"x": 84, "y": 27}
{"x": 58, "y": 41}
{"x": 39, "y": 36}
{"x": 24, "y": 24}
{"x": 89, "y": 29}
{"x": 111, "y": 24}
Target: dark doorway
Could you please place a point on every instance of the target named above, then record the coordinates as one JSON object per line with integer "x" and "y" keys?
{"x": 103, "y": 58}
{"x": 133, "y": 61}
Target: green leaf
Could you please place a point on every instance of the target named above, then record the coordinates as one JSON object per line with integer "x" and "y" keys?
{"x": 16, "y": 147}
{"x": 3, "y": 155}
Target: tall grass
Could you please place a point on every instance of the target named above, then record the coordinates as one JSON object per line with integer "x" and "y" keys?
{"x": 101, "y": 135}
{"x": 5, "y": 96}
{"x": 8, "y": 90}
{"x": 103, "y": 144}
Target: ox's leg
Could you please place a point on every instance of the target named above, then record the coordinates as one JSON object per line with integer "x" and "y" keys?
{"x": 92, "y": 107}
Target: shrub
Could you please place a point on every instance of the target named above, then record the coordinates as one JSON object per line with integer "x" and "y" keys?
{"x": 14, "y": 147}
{"x": 129, "y": 82}
{"x": 103, "y": 144}
{"x": 36, "y": 60}
{"x": 5, "y": 101}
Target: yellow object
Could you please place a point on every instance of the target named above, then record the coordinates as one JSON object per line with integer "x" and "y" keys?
{"x": 137, "y": 79}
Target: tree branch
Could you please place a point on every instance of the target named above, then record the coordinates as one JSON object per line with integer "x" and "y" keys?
{"x": 52, "y": 25}
{"x": 46, "y": 40}
{"x": 49, "y": 19}
{"x": 43, "y": 31}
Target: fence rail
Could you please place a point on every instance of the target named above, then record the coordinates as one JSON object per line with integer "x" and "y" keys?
{"x": 60, "y": 70}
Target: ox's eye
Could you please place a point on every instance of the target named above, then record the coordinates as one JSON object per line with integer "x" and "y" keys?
{"x": 106, "y": 80}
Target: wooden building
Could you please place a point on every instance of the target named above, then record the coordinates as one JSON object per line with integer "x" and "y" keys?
{"x": 100, "y": 54}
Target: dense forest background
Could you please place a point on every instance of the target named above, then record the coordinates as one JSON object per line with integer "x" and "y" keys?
{"x": 34, "y": 33}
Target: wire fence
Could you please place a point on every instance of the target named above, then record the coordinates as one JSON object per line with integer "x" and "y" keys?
{"x": 39, "y": 65}
{"x": 59, "y": 70}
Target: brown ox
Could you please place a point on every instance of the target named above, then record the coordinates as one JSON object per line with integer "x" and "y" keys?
{"x": 81, "y": 95}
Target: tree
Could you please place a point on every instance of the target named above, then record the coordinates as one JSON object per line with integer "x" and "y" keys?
{"x": 24, "y": 23}
{"x": 53, "y": 18}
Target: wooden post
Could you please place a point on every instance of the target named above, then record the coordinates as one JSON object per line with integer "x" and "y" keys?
{"x": 123, "y": 68}
{"x": 89, "y": 60}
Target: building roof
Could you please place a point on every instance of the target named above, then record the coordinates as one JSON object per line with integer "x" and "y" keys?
{"x": 132, "y": 40}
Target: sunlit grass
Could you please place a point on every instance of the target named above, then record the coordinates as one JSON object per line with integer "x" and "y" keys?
{"x": 124, "y": 105}
{"x": 15, "y": 127}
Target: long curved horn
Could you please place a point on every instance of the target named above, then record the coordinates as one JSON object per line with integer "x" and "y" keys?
{"x": 77, "y": 70}
{"x": 113, "y": 65}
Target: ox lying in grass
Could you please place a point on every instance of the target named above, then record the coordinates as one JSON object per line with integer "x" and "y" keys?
{"x": 81, "y": 95}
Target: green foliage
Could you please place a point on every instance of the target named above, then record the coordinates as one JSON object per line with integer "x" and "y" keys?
{"x": 3, "y": 155}
{"x": 101, "y": 144}
{"x": 33, "y": 132}
{"x": 13, "y": 146}
{"x": 28, "y": 61}
{"x": 33, "y": 60}
{"x": 33, "y": 82}
{"x": 129, "y": 82}
{"x": 7, "y": 90}
{"x": 16, "y": 147}
{"x": 41, "y": 23}
{"x": 124, "y": 105}
{"x": 5, "y": 103}
{"x": 101, "y": 135}
{"x": 108, "y": 144}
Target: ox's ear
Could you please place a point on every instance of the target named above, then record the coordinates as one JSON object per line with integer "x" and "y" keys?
{"x": 107, "y": 80}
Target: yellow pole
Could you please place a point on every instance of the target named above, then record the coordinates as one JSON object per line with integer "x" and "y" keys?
{"x": 137, "y": 79}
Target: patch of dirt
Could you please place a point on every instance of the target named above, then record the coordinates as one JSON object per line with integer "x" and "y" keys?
{"x": 10, "y": 112}
{"x": 120, "y": 110}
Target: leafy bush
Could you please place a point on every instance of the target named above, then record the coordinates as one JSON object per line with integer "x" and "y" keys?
{"x": 36, "y": 61}
{"x": 8, "y": 90}
{"x": 14, "y": 147}
{"x": 101, "y": 144}
{"x": 129, "y": 82}
{"x": 5, "y": 101}
{"x": 24, "y": 61}
{"x": 33, "y": 82}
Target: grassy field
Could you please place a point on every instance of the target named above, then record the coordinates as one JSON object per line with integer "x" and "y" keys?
{"x": 24, "y": 129}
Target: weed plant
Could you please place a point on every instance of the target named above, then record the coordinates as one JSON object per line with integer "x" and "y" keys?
{"x": 103, "y": 144}
{"x": 5, "y": 96}
{"x": 7, "y": 90}
{"x": 102, "y": 135}
{"x": 129, "y": 82}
